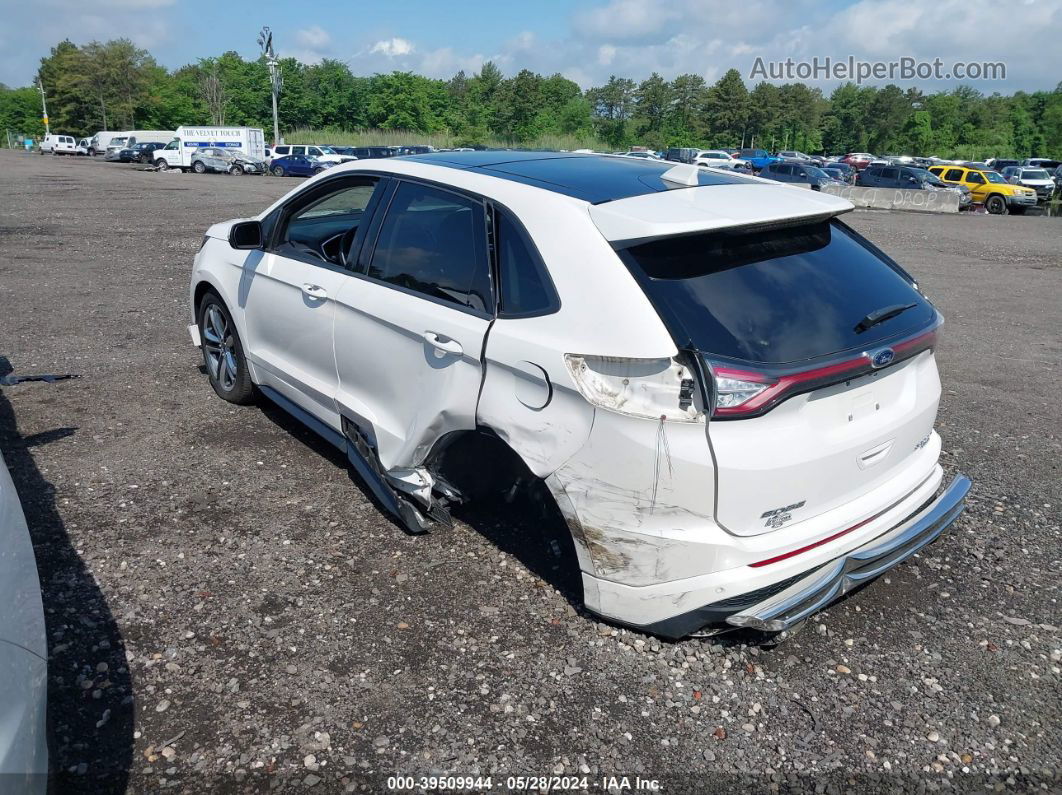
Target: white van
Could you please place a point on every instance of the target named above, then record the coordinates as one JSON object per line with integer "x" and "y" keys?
{"x": 58, "y": 145}
{"x": 179, "y": 151}
{"x": 98, "y": 142}
{"x": 126, "y": 139}
{"x": 325, "y": 154}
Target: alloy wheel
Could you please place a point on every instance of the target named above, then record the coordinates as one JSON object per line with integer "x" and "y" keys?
{"x": 219, "y": 345}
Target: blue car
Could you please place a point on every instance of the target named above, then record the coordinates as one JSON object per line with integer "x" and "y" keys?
{"x": 759, "y": 159}
{"x": 298, "y": 166}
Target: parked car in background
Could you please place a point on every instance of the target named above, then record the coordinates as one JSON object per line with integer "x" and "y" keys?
{"x": 799, "y": 157}
{"x": 23, "y": 653}
{"x": 98, "y": 142}
{"x": 298, "y": 166}
{"x": 414, "y": 149}
{"x": 140, "y": 152}
{"x": 758, "y": 158}
{"x": 908, "y": 178}
{"x": 82, "y": 147}
{"x": 858, "y": 160}
{"x": 129, "y": 138}
{"x": 323, "y": 154}
{"x": 988, "y": 188}
{"x": 841, "y": 172}
{"x": 640, "y": 154}
{"x": 800, "y": 174}
{"x": 58, "y": 145}
{"x": 718, "y": 158}
{"x": 681, "y": 154}
{"x": 226, "y": 161}
{"x": 998, "y": 164}
{"x": 548, "y": 318}
{"x": 1039, "y": 179}
{"x": 1042, "y": 162}
{"x": 933, "y": 181}
{"x": 365, "y": 152}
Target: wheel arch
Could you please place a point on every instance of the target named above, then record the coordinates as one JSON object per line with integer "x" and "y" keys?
{"x": 483, "y": 467}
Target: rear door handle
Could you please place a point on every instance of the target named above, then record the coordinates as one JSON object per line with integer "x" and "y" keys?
{"x": 314, "y": 292}
{"x": 436, "y": 341}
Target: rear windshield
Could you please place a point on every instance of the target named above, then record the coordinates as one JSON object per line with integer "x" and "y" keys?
{"x": 778, "y": 296}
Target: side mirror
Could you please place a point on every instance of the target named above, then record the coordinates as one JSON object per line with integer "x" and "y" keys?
{"x": 246, "y": 235}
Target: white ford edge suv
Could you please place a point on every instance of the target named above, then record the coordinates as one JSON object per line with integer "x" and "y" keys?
{"x": 729, "y": 394}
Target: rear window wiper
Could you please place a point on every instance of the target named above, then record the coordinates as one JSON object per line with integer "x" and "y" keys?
{"x": 881, "y": 315}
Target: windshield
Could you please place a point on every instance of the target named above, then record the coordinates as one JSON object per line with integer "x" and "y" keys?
{"x": 993, "y": 176}
{"x": 817, "y": 173}
{"x": 775, "y": 296}
{"x": 327, "y": 150}
{"x": 118, "y": 141}
{"x": 1034, "y": 173}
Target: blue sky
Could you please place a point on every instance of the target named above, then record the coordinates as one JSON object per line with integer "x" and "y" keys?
{"x": 586, "y": 40}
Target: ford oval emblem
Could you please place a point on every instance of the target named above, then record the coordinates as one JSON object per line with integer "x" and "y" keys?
{"x": 882, "y": 358}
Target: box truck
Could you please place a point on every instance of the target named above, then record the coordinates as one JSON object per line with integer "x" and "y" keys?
{"x": 179, "y": 152}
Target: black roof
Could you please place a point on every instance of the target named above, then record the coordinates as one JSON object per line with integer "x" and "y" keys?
{"x": 592, "y": 178}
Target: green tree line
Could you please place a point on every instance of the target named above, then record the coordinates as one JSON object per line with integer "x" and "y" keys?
{"x": 115, "y": 85}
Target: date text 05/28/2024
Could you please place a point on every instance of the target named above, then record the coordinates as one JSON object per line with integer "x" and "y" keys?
{"x": 523, "y": 783}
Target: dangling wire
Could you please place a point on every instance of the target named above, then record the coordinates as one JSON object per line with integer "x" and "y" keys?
{"x": 661, "y": 445}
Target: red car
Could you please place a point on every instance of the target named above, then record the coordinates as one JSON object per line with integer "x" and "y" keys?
{"x": 857, "y": 160}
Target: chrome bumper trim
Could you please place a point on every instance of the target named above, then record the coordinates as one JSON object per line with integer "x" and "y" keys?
{"x": 831, "y": 581}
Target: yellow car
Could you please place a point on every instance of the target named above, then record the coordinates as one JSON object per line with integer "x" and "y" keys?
{"x": 988, "y": 188}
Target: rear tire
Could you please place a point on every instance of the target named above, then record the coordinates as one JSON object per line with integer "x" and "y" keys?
{"x": 223, "y": 355}
{"x": 278, "y": 171}
{"x": 162, "y": 165}
{"x": 996, "y": 205}
{"x": 198, "y": 167}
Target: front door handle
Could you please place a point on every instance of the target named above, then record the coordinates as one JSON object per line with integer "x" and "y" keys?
{"x": 314, "y": 292}
{"x": 447, "y": 346}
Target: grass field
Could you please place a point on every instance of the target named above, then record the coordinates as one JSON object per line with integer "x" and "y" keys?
{"x": 378, "y": 137}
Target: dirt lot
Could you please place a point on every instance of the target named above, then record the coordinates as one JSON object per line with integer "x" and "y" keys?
{"x": 227, "y": 609}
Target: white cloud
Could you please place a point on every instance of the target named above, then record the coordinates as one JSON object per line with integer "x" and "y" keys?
{"x": 605, "y": 54}
{"x": 393, "y": 48}
{"x": 314, "y": 38}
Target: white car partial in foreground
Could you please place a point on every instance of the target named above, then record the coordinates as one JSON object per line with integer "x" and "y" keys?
{"x": 728, "y": 394}
{"x": 23, "y": 653}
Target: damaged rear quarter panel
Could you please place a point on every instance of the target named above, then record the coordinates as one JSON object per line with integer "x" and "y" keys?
{"x": 640, "y": 498}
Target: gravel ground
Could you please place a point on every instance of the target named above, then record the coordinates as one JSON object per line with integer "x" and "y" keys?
{"x": 228, "y": 610}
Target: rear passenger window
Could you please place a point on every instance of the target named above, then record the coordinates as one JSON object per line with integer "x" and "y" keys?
{"x": 525, "y": 287}
{"x": 954, "y": 174}
{"x": 889, "y": 173}
{"x": 434, "y": 242}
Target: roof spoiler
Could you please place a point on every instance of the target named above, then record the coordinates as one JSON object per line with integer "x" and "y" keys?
{"x": 696, "y": 210}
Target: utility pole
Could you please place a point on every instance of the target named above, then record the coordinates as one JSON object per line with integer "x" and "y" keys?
{"x": 44, "y": 107}
{"x": 276, "y": 77}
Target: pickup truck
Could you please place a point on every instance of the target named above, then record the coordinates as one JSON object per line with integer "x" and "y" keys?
{"x": 758, "y": 158}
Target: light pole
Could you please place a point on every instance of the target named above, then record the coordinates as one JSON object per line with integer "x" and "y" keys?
{"x": 44, "y": 107}
{"x": 276, "y": 77}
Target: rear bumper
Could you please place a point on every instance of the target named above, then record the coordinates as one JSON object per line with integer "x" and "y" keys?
{"x": 782, "y": 605}
{"x": 828, "y": 583}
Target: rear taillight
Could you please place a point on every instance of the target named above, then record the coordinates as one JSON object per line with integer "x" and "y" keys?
{"x": 657, "y": 389}
{"x": 739, "y": 391}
